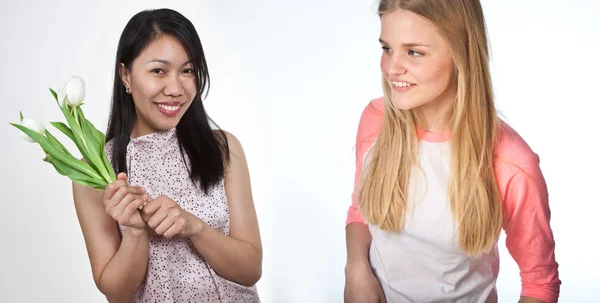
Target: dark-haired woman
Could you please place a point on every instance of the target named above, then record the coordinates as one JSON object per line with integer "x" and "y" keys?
{"x": 179, "y": 224}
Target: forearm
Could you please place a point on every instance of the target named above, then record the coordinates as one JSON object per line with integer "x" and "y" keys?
{"x": 232, "y": 259}
{"x": 358, "y": 242}
{"x": 125, "y": 272}
{"x": 530, "y": 300}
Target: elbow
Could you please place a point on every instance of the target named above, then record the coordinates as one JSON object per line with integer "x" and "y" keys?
{"x": 117, "y": 299}
{"x": 112, "y": 293}
{"x": 109, "y": 294}
{"x": 251, "y": 279}
{"x": 253, "y": 276}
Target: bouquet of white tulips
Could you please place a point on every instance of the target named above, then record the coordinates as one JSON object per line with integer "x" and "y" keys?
{"x": 96, "y": 171}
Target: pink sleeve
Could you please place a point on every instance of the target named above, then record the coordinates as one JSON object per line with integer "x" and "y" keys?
{"x": 368, "y": 129}
{"x": 529, "y": 237}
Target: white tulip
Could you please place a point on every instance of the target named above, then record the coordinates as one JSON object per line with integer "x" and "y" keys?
{"x": 34, "y": 125}
{"x": 75, "y": 91}
{"x": 61, "y": 94}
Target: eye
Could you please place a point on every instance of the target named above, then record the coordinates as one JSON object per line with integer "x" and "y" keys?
{"x": 157, "y": 71}
{"x": 188, "y": 71}
{"x": 414, "y": 53}
{"x": 386, "y": 49}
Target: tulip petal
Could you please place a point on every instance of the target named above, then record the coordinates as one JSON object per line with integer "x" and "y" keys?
{"x": 75, "y": 91}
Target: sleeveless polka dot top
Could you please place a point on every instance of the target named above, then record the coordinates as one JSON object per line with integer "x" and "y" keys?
{"x": 176, "y": 271}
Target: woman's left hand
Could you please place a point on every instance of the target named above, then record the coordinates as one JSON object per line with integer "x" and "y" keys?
{"x": 167, "y": 218}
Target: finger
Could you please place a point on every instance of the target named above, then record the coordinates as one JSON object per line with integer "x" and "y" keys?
{"x": 144, "y": 215}
{"x": 131, "y": 194}
{"x": 164, "y": 225}
{"x": 117, "y": 210}
{"x": 152, "y": 206}
{"x": 132, "y": 207}
{"x": 173, "y": 231}
{"x": 112, "y": 188}
{"x": 124, "y": 191}
{"x": 157, "y": 217}
{"x": 122, "y": 176}
{"x": 121, "y": 191}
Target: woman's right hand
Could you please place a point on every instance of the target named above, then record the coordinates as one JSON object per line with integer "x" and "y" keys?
{"x": 121, "y": 202}
{"x": 362, "y": 286}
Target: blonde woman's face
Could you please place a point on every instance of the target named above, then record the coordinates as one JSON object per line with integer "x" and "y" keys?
{"x": 416, "y": 62}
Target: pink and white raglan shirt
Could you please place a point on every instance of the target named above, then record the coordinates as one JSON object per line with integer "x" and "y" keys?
{"x": 423, "y": 262}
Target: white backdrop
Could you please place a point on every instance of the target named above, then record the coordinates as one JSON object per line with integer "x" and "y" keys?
{"x": 290, "y": 79}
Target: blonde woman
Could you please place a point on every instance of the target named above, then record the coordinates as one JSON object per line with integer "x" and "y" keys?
{"x": 438, "y": 175}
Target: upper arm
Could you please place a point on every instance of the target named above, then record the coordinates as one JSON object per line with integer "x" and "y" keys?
{"x": 368, "y": 130}
{"x": 529, "y": 238}
{"x": 100, "y": 232}
{"x": 243, "y": 219}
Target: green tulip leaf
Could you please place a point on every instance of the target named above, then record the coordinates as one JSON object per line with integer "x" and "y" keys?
{"x": 94, "y": 142}
{"x": 54, "y": 94}
{"x": 50, "y": 149}
{"x": 54, "y": 141}
{"x": 73, "y": 174}
{"x": 98, "y": 140}
{"x": 64, "y": 129}
{"x": 77, "y": 133}
{"x": 46, "y": 159}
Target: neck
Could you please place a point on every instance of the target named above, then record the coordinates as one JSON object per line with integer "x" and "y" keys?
{"x": 435, "y": 116}
{"x": 139, "y": 130}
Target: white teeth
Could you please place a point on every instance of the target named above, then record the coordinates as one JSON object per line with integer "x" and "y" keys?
{"x": 169, "y": 108}
{"x": 401, "y": 84}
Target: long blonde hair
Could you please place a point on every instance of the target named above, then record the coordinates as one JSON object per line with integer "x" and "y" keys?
{"x": 473, "y": 193}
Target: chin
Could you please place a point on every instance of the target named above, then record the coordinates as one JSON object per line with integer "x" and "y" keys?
{"x": 404, "y": 104}
{"x": 166, "y": 125}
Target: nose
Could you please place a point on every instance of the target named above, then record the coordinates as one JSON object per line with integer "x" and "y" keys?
{"x": 173, "y": 86}
{"x": 396, "y": 65}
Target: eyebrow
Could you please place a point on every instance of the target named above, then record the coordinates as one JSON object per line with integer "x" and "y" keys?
{"x": 165, "y": 62}
{"x": 406, "y": 44}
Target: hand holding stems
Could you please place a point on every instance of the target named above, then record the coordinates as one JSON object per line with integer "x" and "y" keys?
{"x": 121, "y": 202}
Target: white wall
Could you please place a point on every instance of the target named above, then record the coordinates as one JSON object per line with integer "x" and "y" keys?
{"x": 290, "y": 79}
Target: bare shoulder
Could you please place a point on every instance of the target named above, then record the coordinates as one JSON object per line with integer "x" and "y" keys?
{"x": 235, "y": 146}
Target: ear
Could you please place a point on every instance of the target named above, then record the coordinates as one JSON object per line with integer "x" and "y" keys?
{"x": 125, "y": 76}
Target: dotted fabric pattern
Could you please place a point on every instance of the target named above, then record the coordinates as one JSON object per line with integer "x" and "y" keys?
{"x": 176, "y": 271}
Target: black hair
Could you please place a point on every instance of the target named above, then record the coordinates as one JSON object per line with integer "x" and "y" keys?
{"x": 206, "y": 148}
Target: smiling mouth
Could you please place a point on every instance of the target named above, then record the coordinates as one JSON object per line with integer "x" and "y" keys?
{"x": 169, "y": 109}
{"x": 402, "y": 84}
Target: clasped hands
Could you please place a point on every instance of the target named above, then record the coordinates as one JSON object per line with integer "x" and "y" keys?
{"x": 162, "y": 215}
